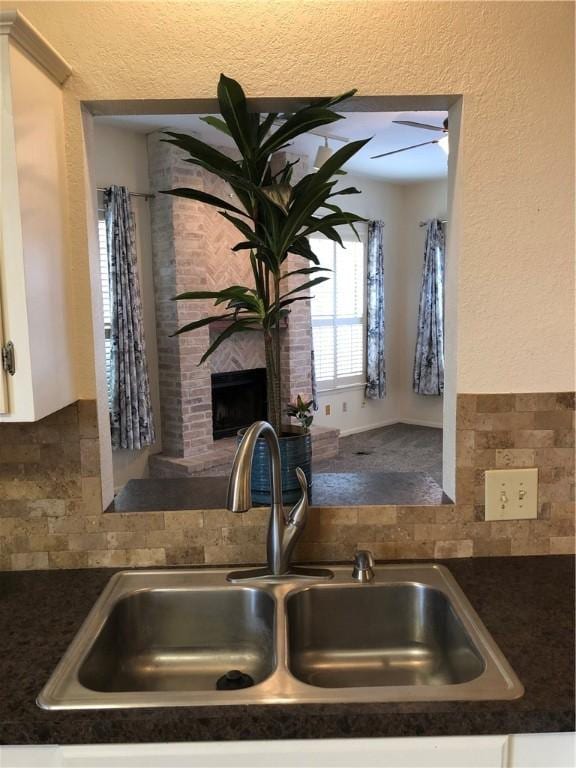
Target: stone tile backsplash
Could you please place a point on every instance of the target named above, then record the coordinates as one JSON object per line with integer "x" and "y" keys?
{"x": 51, "y": 508}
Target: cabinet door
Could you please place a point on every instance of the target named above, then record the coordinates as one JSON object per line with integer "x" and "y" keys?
{"x": 542, "y": 750}
{"x": 34, "y": 270}
{"x": 427, "y": 752}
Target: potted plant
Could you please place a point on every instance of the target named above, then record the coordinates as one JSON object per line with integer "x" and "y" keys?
{"x": 274, "y": 218}
{"x": 301, "y": 410}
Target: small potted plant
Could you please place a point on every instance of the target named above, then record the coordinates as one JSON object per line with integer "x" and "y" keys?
{"x": 301, "y": 410}
{"x": 274, "y": 218}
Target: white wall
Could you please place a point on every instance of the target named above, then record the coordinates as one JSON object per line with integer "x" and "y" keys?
{"x": 377, "y": 201}
{"x": 120, "y": 157}
{"x": 401, "y": 207}
{"x": 419, "y": 203}
{"x": 512, "y": 219}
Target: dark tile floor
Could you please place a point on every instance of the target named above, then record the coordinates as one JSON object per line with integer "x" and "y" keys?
{"x": 400, "y": 464}
{"x": 397, "y": 448}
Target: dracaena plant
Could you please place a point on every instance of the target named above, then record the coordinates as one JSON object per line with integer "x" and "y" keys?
{"x": 273, "y": 216}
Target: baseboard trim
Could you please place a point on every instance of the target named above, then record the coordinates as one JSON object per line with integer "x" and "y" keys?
{"x": 378, "y": 425}
{"x": 421, "y": 423}
{"x": 389, "y": 423}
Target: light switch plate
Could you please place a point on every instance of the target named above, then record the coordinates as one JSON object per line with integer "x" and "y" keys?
{"x": 511, "y": 494}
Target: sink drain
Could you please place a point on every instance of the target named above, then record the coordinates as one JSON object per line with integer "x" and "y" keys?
{"x": 234, "y": 680}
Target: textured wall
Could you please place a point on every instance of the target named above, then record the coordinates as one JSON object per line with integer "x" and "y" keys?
{"x": 50, "y": 508}
{"x": 121, "y": 157}
{"x": 419, "y": 203}
{"x": 401, "y": 207}
{"x": 513, "y": 64}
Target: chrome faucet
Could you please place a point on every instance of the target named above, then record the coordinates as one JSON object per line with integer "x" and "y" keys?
{"x": 283, "y": 530}
{"x": 363, "y": 570}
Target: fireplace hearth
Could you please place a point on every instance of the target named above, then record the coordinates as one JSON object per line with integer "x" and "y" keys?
{"x": 238, "y": 399}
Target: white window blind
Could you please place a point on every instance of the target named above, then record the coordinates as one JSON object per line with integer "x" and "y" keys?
{"x": 105, "y": 284}
{"x": 338, "y": 314}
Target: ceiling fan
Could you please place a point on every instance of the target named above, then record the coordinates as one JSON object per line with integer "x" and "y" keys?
{"x": 442, "y": 142}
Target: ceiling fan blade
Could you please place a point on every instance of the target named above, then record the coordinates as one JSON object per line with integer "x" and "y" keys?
{"x": 419, "y": 125}
{"x": 404, "y": 149}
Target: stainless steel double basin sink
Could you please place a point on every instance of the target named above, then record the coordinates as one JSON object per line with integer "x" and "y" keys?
{"x": 164, "y": 638}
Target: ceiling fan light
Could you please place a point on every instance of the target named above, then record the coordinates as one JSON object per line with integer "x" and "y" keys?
{"x": 443, "y": 144}
{"x": 324, "y": 153}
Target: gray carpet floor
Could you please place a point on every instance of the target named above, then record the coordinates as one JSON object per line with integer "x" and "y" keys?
{"x": 397, "y": 448}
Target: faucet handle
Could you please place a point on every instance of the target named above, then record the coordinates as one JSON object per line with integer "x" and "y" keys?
{"x": 299, "y": 513}
{"x": 363, "y": 570}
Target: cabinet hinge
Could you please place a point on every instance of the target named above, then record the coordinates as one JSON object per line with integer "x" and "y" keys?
{"x": 8, "y": 359}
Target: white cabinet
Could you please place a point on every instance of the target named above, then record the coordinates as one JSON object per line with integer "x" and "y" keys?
{"x": 542, "y": 750}
{"x": 546, "y": 750}
{"x": 34, "y": 274}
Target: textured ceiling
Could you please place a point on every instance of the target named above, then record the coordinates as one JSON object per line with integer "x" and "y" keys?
{"x": 421, "y": 164}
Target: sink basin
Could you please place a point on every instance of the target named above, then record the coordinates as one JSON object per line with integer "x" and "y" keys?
{"x": 394, "y": 634}
{"x": 161, "y": 638}
{"x": 181, "y": 640}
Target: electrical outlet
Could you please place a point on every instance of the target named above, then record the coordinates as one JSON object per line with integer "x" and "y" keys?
{"x": 511, "y": 494}
{"x": 327, "y": 410}
{"x": 344, "y": 407}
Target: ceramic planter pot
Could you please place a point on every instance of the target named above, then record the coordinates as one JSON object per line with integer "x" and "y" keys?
{"x": 295, "y": 451}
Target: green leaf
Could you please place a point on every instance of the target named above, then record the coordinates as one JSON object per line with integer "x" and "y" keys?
{"x": 242, "y": 226}
{"x": 323, "y": 226}
{"x": 237, "y": 292}
{"x": 305, "y": 286}
{"x": 333, "y": 100}
{"x": 216, "y": 122}
{"x": 283, "y": 304}
{"x": 237, "y": 327}
{"x": 245, "y": 245}
{"x": 203, "y": 197}
{"x": 297, "y": 124}
{"x": 301, "y": 247}
{"x": 347, "y": 191}
{"x": 266, "y": 124}
{"x": 234, "y": 110}
{"x": 330, "y": 167}
{"x": 300, "y": 210}
{"x": 285, "y": 173}
{"x": 337, "y": 160}
{"x": 326, "y": 225}
{"x": 213, "y": 159}
{"x": 305, "y": 271}
{"x": 201, "y": 323}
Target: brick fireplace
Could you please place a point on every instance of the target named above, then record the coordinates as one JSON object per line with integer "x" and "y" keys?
{"x": 192, "y": 251}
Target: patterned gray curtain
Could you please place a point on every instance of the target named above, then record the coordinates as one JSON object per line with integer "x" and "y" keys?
{"x": 428, "y": 376}
{"x": 313, "y": 381}
{"x": 131, "y": 420}
{"x": 375, "y": 323}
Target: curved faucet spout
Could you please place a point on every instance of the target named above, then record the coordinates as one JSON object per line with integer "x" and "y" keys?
{"x": 239, "y": 497}
{"x": 283, "y": 533}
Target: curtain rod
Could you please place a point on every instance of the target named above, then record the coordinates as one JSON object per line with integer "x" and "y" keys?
{"x": 145, "y": 195}
{"x": 425, "y": 223}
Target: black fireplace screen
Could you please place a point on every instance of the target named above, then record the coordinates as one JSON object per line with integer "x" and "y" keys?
{"x": 238, "y": 399}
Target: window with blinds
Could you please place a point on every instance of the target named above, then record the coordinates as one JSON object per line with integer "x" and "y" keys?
{"x": 105, "y": 285}
{"x": 338, "y": 314}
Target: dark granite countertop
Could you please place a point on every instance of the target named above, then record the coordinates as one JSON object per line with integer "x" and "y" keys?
{"x": 527, "y": 603}
{"x": 329, "y": 489}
